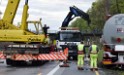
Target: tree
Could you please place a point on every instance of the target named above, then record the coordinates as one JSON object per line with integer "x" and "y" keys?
{"x": 98, "y": 14}
{"x": 81, "y": 24}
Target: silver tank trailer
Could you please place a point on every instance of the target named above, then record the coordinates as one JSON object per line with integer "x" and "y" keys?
{"x": 113, "y": 36}
{"x": 113, "y": 32}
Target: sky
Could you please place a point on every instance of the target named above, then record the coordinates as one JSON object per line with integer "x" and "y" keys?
{"x": 52, "y": 12}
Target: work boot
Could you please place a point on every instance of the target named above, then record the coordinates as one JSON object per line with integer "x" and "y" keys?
{"x": 91, "y": 69}
{"x": 96, "y": 69}
{"x": 79, "y": 68}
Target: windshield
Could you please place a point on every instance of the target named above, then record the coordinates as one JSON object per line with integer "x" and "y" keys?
{"x": 70, "y": 36}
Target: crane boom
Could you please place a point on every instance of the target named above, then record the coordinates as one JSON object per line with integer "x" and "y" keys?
{"x": 76, "y": 12}
{"x": 11, "y": 10}
{"x": 21, "y": 41}
{"x": 25, "y": 16}
{"x": 8, "y": 30}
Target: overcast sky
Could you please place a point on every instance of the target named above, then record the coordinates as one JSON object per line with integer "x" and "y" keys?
{"x": 52, "y": 12}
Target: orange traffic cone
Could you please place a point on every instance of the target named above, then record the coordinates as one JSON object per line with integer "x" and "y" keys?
{"x": 65, "y": 64}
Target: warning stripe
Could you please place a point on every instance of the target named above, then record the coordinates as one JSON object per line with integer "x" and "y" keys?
{"x": 2, "y": 55}
{"x": 62, "y": 56}
{"x": 52, "y": 56}
{"x": 47, "y": 57}
{"x": 17, "y": 56}
{"x": 34, "y": 57}
{"x": 23, "y": 57}
{"x": 56, "y": 56}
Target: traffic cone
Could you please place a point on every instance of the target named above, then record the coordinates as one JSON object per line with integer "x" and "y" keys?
{"x": 2, "y": 56}
{"x": 65, "y": 64}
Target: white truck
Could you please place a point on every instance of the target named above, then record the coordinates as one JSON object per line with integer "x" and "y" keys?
{"x": 69, "y": 38}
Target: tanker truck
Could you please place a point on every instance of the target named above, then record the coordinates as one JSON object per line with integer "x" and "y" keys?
{"x": 113, "y": 41}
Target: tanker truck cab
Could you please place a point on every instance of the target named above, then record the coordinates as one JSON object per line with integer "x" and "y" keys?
{"x": 69, "y": 38}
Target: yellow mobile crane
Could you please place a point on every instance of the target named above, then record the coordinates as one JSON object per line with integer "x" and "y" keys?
{"x": 25, "y": 45}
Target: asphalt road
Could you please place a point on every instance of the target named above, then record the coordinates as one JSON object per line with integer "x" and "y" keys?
{"x": 50, "y": 68}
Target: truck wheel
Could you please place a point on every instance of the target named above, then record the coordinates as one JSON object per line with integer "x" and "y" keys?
{"x": 9, "y": 61}
{"x": 14, "y": 63}
{"x": 75, "y": 57}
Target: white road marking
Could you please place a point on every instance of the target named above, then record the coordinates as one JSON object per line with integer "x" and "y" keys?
{"x": 97, "y": 73}
{"x": 39, "y": 74}
{"x": 54, "y": 70}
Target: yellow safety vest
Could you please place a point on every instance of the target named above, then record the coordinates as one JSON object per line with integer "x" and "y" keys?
{"x": 54, "y": 42}
{"x": 47, "y": 40}
{"x": 80, "y": 47}
{"x": 94, "y": 49}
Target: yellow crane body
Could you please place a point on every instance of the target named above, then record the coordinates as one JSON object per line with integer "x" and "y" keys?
{"x": 21, "y": 41}
{"x": 12, "y": 33}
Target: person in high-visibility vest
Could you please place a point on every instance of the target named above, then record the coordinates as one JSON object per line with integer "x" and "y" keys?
{"x": 81, "y": 55}
{"x": 54, "y": 42}
{"x": 93, "y": 56}
{"x": 47, "y": 40}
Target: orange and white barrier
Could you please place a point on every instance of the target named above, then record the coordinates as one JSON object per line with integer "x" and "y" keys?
{"x": 2, "y": 55}
{"x": 22, "y": 57}
{"x": 47, "y": 57}
{"x": 52, "y": 56}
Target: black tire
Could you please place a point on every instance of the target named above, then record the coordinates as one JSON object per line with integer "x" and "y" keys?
{"x": 9, "y": 61}
{"x": 15, "y": 63}
{"x": 37, "y": 63}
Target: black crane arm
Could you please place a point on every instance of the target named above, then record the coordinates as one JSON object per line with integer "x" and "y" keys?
{"x": 76, "y": 12}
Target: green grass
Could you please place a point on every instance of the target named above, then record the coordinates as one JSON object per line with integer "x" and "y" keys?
{"x": 100, "y": 56}
{"x": 121, "y": 72}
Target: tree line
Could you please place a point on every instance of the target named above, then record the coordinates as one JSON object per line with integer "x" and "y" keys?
{"x": 99, "y": 12}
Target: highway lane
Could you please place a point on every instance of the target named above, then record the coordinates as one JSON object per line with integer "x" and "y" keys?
{"x": 50, "y": 68}
{"x": 27, "y": 70}
{"x": 72, "y": 70}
